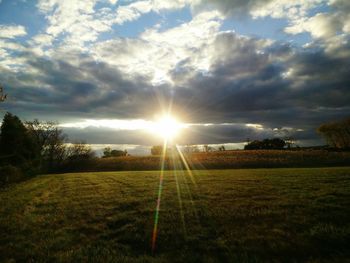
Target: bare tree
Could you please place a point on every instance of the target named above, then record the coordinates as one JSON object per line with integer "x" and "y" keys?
{"x": 2, "y": 95}
{"x": 289, "y": 141}
{"x": 337, "y": 134}
{"x": 222, "y": 148}
{"x": 50, "y": 140}
{"x": 79, "y": 151}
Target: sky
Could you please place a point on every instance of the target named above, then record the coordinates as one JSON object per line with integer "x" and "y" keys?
{"x": 230, "y": 69}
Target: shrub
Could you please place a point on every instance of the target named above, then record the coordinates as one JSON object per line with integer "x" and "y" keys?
{"x": 10, "y": 174}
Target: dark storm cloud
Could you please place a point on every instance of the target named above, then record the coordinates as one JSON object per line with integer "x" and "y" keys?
{"x": 109, "y": 136}
{"x": 248, "y": 82}
{"x": 86, "y": 89}
{"x": 258, "y": 83}
{"x": 320, "y": 80}
{"x": 232, "y": 7}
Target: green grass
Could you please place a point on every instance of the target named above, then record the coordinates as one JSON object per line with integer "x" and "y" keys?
{"x": 262, "y": 215}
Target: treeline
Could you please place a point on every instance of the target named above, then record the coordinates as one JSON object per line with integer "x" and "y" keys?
{"x": 337, "y": 134}
{"x": 36, "y": 147}
{"x": 108, "y": 152}
{"x": 158, "y": 149}
{"x": 229, "y": 159}
{"x": 266, "y": 144}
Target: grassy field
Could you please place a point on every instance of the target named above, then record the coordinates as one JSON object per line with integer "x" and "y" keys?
{"x": 261, "y": 215}
{"x": 217, "y": 160}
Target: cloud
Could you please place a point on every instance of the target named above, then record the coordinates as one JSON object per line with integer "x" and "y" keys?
{"x": 132, "y": 11}
{"x": 77, "y": 19}
{"x": 12, "y": 31}
{"x": 214, "y": 76}
{"x": 8, "y": 60}
{"x": 329, "y": 29}
{"x": 193, "y": 134}
{"x": 157, "y": 52}
{"x": 210, "y": 76}
{"x": 228, "y": 7}
{"x": 10, "y": 45}
{"x": 43, "y": 39}
{"x": 321, "y": 25}
{"x": 284, "y": 9}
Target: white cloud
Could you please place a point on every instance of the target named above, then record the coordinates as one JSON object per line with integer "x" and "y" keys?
{"x": 14, "y": 64}
{"x": 330, "y": 29}
{"x": 79, "y": 22}
{"x": 285, "y": 8}
{"x": 3, "y": 53}
{"x": 7, "y": 59}
{"x": 322, "y": 25}
{"x": 10, "y": 45}
{"x": 77, "y": 19}
{"x": 157, "y": 52}
{"x": 132, "y": 11}
{"x": 159, "y": 5}
{"x": 43, "y": 39}
{"x": 172, "y": 56}
{"x": 12, "y": 31}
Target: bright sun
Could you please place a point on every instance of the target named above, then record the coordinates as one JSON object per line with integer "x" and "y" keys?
{"x": 167, "y": 127}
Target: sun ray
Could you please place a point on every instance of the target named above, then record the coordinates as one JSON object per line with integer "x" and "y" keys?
{"x": 188, "y": 170}
{"x": 166, "y": 127}
{"x": 176, "y": 166}
{"x": 159, "y": 196}
{"x": 185, "y": 164}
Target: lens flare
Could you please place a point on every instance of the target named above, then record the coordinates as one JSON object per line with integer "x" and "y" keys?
{"x": 167, "y": 127}
{"x": 159, "y": 197}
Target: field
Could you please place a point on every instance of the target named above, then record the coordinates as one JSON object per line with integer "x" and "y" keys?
{"x": 218, "y": 160}
{"x": 251, "y": 215}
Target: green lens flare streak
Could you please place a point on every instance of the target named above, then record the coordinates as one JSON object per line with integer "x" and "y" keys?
{"x": 177, "y": 167}
{"x": 160, "y": 188}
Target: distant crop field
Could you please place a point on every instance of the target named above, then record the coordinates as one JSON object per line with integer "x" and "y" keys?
{"x": 218, "y": 160}
{"x": 250, "y": 215}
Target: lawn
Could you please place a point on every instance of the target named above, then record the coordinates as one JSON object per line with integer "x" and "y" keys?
{"x": 251, "y": 215}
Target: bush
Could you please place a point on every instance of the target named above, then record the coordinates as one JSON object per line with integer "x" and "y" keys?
{"x": 10, "y": 174}
{"x": 266, "y": 144}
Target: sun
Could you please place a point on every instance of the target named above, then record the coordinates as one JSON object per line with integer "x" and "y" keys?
{"x": 167, "y": 127}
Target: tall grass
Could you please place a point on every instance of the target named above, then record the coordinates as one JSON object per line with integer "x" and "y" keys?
{"x": 218, "y": 160}
{"x": 249, "y": 215}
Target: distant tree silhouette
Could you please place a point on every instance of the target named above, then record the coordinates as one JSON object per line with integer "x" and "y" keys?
{"x": 289, "y": 142}
{"x": 193, "y": 149}
{"x": 118, "y": 153}
{"x": 79, "y": 151}
{"x": 157, "y": 150}
{"x": 206, "y": 148}
{"x": 222, "y": 148}
{"x": 253, "y": 145}
{"x": 51, "y": 141}
{"x": 2, "y": 95}
{"x": 266, "y": 144}
{"x": 337, "y": 134}
{"x": 17, "y": 146}
{"x": 108, "y": 152}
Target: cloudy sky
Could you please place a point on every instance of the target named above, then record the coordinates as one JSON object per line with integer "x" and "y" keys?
{"x": 232, "y": 69}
